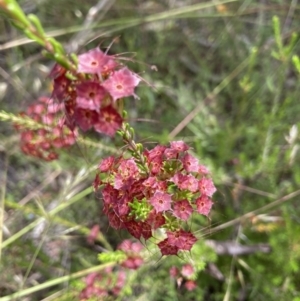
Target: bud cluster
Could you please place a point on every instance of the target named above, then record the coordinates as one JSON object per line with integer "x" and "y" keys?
{"x": 185, "y": 276}
{"x": 110, "y": 282}
{"x": 156, "y": 189}
{"x": 49, "y": 133}
{"x": 91, "y": 96}
{"x": 103, "y": 285}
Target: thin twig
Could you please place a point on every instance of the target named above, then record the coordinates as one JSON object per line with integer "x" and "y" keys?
{"x": 255, "y": 212}
{"x": 3, "y": 180}
{"x": 209, "y": 97}
{"x": 94, "y": 15}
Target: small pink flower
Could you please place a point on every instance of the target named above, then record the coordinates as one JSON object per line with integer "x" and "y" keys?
{"x": 161, "y": 201}
{"x": 190, "y": 163}
{"x": 60, "y": 88}
{"x": 155, "y": 220}
{"x": 190, "y": 285}
{"x": 166, "y": 248}
{"x": 204, "y": 205}
{"x": 85, "y": 118}
{"x": 183, "y": 240}
{"x": 93, "y": 234}
{"x": 128, "y": 169}
{"x": 156, "y": 165}
{"x": 121, "y": 83}
{"x": 95, "y": 62}
{"x": 125, "y": 245}
{"x": 173, "y": 272}
{"x": 106, "y": 164}
{"x": 187, "y": 271}
{"x": 178, "y": 179}
{"x": 150, "y": 183}
{"x": 90, "y": 95}
{"x": 115, "y": 220}
{"x": 156, "y": 152}
{"x": 189, "y": 182}
{"x": 171, "y": 153}
{"x": 203, "y": 170}
{"x": 134, "y": 228}
{"x": 182, "y": 209}
{"x": 108, "y": 122}
{"x": 207, "y": 187}
{"x": 132, "y": 250}
{"x": 180, "y": 146}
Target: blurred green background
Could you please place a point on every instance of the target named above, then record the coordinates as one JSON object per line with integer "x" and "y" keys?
{"x": 227, "y": 83}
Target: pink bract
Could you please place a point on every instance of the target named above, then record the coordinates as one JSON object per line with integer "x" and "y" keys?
{"x": 121, "y": 83}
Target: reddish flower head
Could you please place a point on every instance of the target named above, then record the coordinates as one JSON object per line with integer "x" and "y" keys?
{"x": 156, "y": 193}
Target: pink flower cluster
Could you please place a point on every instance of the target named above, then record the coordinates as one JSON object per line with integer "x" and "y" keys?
{"x": 91, "y": 96}
{"x": 133, "y": 251}
{"x": 185, "y": 276}
{"x": 53, "y": 134}
{"x": 103, "y": 285}
{"x": 109, "y": 282}
{"x": 162, "y": 192}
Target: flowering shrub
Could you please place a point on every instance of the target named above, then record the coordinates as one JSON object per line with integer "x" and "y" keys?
{"x": 144, "y": 191}
{"x": 156, "y": 189}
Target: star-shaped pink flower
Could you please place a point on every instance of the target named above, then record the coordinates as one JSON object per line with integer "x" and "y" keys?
{"x": 161, "y": 201}
{"x": 121, "y": 83}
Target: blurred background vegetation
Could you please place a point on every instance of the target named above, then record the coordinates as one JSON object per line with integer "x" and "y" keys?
{"x": 227, "y": 83}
